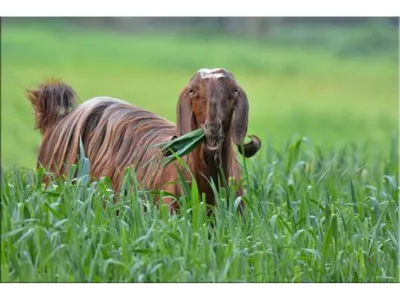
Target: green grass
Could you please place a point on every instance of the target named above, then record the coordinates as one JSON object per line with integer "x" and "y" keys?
{"x": 310, "y": 217}
{"x": 293, "y": 90}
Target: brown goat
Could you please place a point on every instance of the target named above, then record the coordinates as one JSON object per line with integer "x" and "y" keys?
{"x": 117, "y": 135}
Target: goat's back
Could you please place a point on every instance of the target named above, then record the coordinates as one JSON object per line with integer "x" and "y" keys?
{"x": 115, "y": 135}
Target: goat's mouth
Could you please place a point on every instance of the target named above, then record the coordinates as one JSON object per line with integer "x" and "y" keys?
{"x": 214, "y": 144}
{"x": 214, "y": 136}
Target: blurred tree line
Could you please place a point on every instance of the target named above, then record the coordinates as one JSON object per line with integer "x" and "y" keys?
{"x": 252, "y": 26}
{"x": 346, "y": 36}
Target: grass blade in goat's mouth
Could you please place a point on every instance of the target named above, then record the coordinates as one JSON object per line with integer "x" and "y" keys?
{"x": 181, "y": 145}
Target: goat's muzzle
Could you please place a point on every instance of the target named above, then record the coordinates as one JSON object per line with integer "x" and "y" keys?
{"x": 214, "y": 136}
{"x": 214, "y": 140}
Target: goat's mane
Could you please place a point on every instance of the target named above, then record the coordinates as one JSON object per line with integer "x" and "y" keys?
{"x": 115, "y": 135}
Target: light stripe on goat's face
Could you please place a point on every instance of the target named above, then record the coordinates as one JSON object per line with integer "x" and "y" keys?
{"x": 211, "y": 73}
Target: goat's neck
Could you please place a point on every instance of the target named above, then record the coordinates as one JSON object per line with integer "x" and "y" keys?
{"x": 206, "y": 169}
{"x": 211, "y": 163}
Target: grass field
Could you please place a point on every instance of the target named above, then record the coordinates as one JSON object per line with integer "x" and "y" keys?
{"x": 310, "y": 217}
{"x": 319, "y": 209}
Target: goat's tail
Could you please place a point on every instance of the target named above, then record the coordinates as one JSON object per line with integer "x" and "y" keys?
{"x": 51, "y": 102}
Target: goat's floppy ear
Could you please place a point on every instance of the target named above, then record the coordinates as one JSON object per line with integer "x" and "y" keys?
{"x": 184, "y": 114}
{"x": 241, "y": 117}
{"x": 240, "y": 127}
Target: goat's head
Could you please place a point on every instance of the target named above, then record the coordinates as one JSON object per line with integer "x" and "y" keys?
{"x": 214, "y": 101}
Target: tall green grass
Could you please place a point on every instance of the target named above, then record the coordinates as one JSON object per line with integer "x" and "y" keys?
{"x": 311, "y": 216}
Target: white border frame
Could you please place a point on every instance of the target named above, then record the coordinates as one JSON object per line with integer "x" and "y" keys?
{"x": 200, "y": 8}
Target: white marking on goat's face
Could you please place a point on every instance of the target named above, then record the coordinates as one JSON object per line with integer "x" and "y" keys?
{"x": 211, "y": 73}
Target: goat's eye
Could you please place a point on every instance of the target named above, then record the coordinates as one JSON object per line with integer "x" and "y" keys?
{"x": 191, "y": 92}
{"x": 235, "y": 92}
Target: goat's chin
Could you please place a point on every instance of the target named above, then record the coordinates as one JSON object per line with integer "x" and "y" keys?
{"x": 211, "y": 149}
{"x": 212, "y": 154}
{"x": 214, "y": 144}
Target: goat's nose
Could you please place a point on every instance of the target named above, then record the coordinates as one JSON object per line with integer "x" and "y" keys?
{"x": 214, "y": 127}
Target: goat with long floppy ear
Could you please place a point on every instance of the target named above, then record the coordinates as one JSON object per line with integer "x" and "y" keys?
{"x": 117, "y": 135}
{"x": 188, "y": 121}
{"x": 240, "y": 123}
{"x": 184, "y": 114}
{"x": 213, "y": 100}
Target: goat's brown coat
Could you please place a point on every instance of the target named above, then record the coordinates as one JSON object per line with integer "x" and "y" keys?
{"x": 117, "y": 135}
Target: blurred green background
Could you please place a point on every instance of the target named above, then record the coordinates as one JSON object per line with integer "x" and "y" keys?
{"x": 332, "y": 80}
